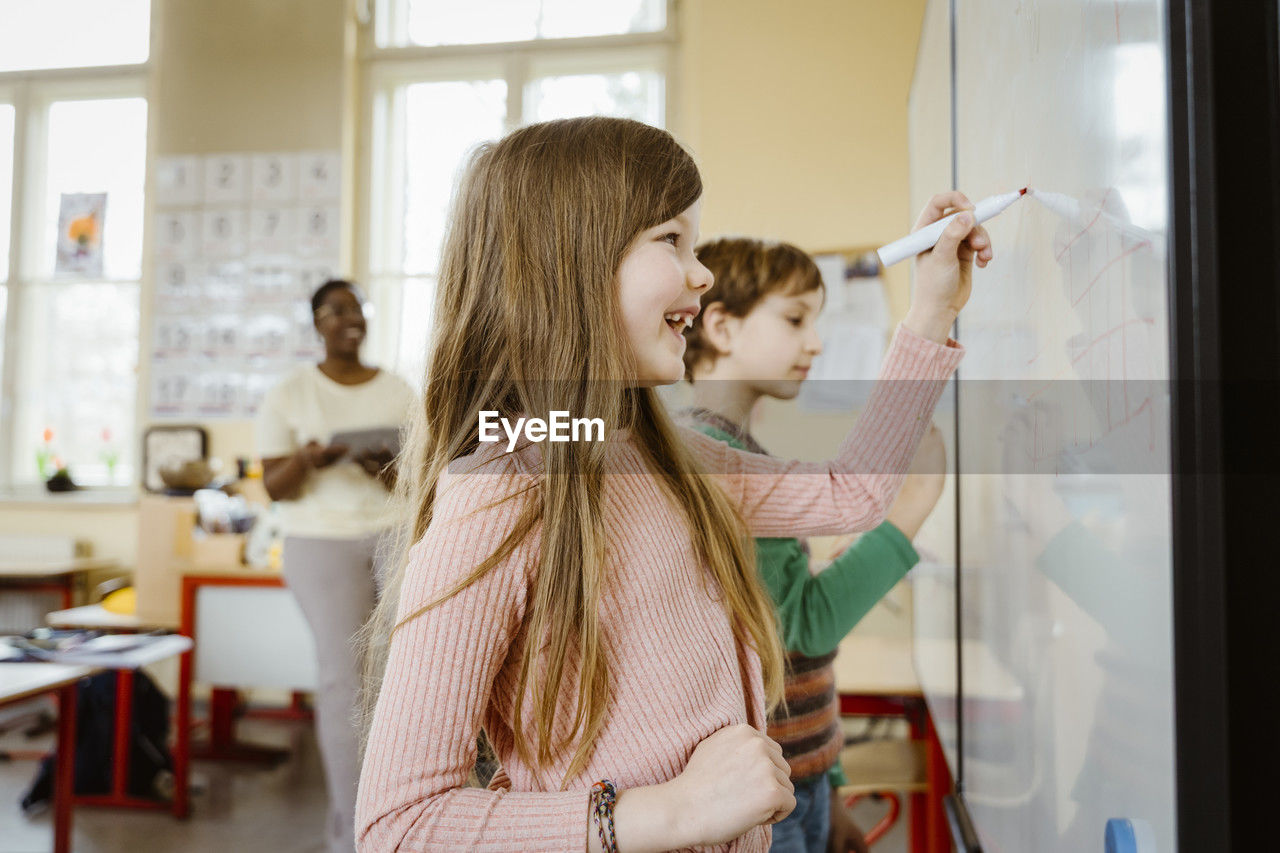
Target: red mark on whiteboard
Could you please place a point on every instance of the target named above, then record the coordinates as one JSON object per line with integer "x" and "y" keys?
{"x": 1108, "y": 265}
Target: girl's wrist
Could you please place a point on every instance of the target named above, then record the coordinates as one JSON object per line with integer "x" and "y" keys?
{"x": 930, "y": 322}
{"x": 649, "y": 818}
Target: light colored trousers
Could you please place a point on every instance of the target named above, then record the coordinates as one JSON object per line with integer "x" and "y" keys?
{"x": 335, "y": 582}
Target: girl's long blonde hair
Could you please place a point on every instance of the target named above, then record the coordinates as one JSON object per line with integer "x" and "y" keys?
{"x": 528, "y": 321}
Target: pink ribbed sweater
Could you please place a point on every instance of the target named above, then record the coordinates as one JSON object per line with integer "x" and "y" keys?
{"x": 678, "y": 674}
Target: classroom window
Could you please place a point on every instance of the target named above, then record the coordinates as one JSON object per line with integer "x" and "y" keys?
{"x": 430, "y": 107}
{"x": 6, "y": 190}
{"x": 97, "y": 145}
{"x": 450, "y": 22}
{"x": 40, "y": 34}
{"x": 73, "y": 333}
{"x": 6, "y": 204}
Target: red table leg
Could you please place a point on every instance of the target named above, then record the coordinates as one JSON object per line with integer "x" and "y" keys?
{"x": 182, "y": 725}
{"x": 920, "y": 835}
{"x": 124, "y": 719}
{"x": 939, "y": 786}
{"x": 64, "y": 776}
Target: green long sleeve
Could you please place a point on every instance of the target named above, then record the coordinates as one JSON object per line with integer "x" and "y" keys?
{"x": 817, "y": 611}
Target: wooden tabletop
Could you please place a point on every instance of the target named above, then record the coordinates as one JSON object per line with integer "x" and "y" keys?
{"x": 888, "y": 666}
{"x": 52, "y": 568}
{"x": 229, "y": 570}
{"x": 96, "y": 616}
{"x": 24, "y": 680}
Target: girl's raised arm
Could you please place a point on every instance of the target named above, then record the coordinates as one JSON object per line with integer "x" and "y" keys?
{"x": 437, "y": 685}
{"x": 852, "y": 492}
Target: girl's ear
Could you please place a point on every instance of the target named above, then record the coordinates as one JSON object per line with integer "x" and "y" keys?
{"x": 719, "y": 328}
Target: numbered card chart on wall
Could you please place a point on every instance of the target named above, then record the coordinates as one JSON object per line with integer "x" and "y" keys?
{"x": 241, "y": 242}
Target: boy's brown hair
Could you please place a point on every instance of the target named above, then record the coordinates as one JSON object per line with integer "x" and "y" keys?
{"x": 746, "y": 272}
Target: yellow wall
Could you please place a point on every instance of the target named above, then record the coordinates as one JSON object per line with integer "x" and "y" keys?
{"x": 796, "y": 112}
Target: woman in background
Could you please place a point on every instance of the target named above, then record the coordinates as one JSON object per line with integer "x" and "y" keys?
{"x": 334, "y": 509}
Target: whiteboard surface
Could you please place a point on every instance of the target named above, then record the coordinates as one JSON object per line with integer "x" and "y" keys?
{"x": 1063, "y": 423}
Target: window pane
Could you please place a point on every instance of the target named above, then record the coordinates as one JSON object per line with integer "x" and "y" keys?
{"x": 443, "y": 122}
{"x": 98, "y": 146}
{"x": 630, "y": 94}
{"x": 437, "y": 22}
{"x": 417, "y": 309}
{"x": 6, "y": 184}
{"x": 4, "y": 314}
{"x": 77, "y": 378}
{"x": 73, "y": 33}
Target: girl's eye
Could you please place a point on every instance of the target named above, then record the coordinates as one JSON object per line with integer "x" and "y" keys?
{"x": 673, "y": 238}
{"x": 796, "y": 321}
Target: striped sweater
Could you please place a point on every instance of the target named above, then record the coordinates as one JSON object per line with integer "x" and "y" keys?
{"x": 815, "y": 613}
{"x": 678, "y": 675}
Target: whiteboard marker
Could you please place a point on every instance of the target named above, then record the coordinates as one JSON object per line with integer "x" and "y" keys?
{"x": 925, "y": 239}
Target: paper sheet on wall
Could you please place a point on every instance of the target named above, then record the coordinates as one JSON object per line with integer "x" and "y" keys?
{"x": 854, "y": 330}
{"x": 80, "y": 221}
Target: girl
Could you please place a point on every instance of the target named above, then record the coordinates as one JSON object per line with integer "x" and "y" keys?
{"x": 756, "y": 337}
{"x": 594, "y": 607}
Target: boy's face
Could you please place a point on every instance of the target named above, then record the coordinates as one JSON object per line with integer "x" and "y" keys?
{"x": 773, "y": 346}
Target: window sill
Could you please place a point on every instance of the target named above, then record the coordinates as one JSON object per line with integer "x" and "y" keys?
{"x": 36, "y": 496}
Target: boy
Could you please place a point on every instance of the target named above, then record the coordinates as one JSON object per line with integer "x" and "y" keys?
{"x": 756, "y": 337}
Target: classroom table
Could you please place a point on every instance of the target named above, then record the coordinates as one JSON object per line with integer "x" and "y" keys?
{"x": 283, "y": 644}
{"x": 38, "y": 575}
{"x": 882, "y": 677}
{"x": 22, "y": 681}
{"x": 97, "y": 618}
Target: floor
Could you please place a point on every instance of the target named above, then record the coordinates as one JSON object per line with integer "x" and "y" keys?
{"x": 234, "y": 808}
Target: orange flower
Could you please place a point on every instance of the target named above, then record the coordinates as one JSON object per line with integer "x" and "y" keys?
{"x": 48, "y": 435}
{"x": 83, "y": 230}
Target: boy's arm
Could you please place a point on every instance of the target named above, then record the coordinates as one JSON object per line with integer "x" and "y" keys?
{"x": 817, "y": 611}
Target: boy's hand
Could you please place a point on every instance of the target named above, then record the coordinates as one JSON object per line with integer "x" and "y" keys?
{"x": 923, "y": 486}
{"x": 845, "y": 835}
{"x": 944, "y": 273}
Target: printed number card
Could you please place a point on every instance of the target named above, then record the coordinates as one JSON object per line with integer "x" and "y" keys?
{"x": 319, "y": 176}
{"x": 226, "y": 179}
{"x": 274, "y": 178}
{"x": 178, "y": 181}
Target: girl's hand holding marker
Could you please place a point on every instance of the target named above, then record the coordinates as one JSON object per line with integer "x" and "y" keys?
{"x": 944, "y": 265}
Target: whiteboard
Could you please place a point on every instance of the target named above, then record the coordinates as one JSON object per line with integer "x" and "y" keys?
{"x": 1064, "y": 543}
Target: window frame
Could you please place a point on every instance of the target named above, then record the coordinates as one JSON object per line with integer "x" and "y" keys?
{"x": 384, "y": 71}
{"x": 32, "y": 93}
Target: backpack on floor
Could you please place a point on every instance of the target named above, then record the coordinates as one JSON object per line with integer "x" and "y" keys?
{"x": 150, "y": 763}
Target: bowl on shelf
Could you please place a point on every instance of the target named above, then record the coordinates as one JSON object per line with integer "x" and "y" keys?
{"x": 187, "y": 476}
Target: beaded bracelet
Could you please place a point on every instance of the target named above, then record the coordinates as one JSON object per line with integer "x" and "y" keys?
{"x": 603, "y": 796}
